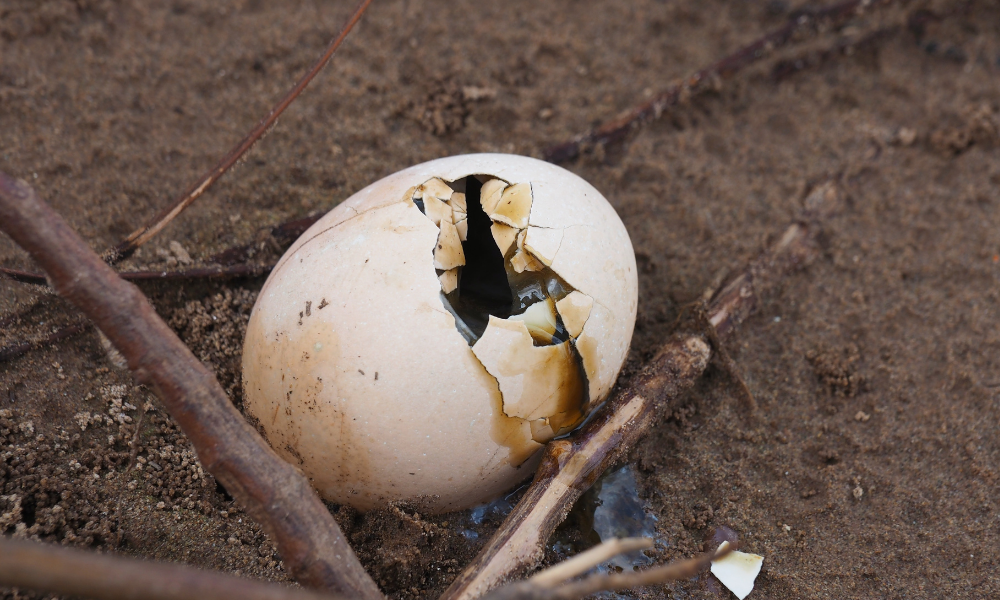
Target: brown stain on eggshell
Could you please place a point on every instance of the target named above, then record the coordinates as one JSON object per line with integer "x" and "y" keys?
{"x": 538, "y": 383}
{"x": 320, "y": 369}
{"x": 307, "y": 362}
{"x": 512, "y": 433}
{"x": 590, "y": 354}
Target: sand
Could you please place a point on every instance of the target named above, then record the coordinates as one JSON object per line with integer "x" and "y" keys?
{"x": 868, "y": 467}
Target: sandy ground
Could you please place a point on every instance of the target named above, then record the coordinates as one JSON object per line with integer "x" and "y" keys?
{"x": 868, "y": 468}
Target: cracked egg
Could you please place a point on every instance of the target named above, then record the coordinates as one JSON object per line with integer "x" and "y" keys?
{"x": 424, "y": 339}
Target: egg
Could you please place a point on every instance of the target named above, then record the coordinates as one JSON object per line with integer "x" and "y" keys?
{"x": 423, "y": 340}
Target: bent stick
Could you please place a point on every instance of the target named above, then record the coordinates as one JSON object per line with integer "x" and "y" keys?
{"x": 31, "y": 565}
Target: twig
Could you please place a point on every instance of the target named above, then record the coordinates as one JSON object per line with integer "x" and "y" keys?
{"x": 273, "y": 492}
{"x": 785, "y": 68}
{"x": 569, "y": 467}
{"x": 574, "y": 590}
{"x": 233, "y": 264}
{"x": 682, "y": 569}
{"x": 15, "y": 350}
{"x": 583, "y": 562}
{"x": 231, "y": 272}
{"x": 143, "y": 234}
{"x": 233, "y": 261}
{"x": 617, "y": 128}
{"x": 58, "y": 570}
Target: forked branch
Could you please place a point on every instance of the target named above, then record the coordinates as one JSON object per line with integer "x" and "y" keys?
{"x": 52, "y": 568}
{"x": 273, "y": 492}
{"x": 569, "y": 467}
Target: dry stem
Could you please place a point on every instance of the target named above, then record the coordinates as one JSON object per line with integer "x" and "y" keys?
{"x": 682, "y": 569}
{"x": 574, "y": 590}
{"x": 583, "y": 562}
{"x": 274, "y": 493}
{"x": 143, "y": 234}
{"x": 233, "y": 262}
{"x": 616, "y": 129}
{"x": 73, "y": 572}
{"x": 15, "y": 350}
{"x": 570, "y": 466}
{"x": 228, "y": 272}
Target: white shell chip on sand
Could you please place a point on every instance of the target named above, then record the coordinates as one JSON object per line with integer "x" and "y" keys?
{"x": 737, "y": 570}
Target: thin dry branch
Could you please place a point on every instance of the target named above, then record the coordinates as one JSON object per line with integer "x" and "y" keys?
{"x": 273, "y": 492}
{"x": 561, "y": 589}
{"x": 35, "y": 566}
{"x": 675, "y": 571}
{"x": 570, "y": 466}
{"x": 813, "y": 58}
{"x": 143, "y": 234}
{"x": 60, "y": 570}
{"x": 708, "y": 77}
{"x": 15, "y": 350}
{"x": 233, "y": 262}
{"x": 583, "y": 562}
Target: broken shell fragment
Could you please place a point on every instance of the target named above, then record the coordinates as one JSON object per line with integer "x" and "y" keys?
{"x": 463, "y": 229}
{"x": 542, "y": 243}
{"x": 523, "y": 261}
{"x": 435, "y": 188}
{"x": 457, "y": 202}
{"x": 463, "y": 313}
{"x": 737, "y": 570}
{"x": 448, "y": 253}
{"x": 504, "y": 236}
{"x": 437, "y": 211}
{"x": 533, "y": 379}
{"x": 449, "y": 280}
{"x": 491, "y": 193}
{"x": 575, "y": 310}
{"x": 514, "y": 206}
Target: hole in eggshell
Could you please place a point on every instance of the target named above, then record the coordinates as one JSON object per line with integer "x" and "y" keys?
{"x": 490, "y": 281}
{"x": 483, "y": 289}
{"x": 496, "y": 273}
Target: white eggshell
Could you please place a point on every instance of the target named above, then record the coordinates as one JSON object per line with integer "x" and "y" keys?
{"x": 355, "y": 371}
{"x": 737, "y": 570}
